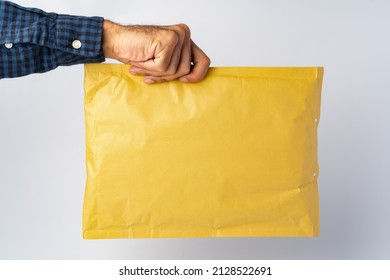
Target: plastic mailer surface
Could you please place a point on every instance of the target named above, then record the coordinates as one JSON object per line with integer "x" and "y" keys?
{"x": 234, "y": 155}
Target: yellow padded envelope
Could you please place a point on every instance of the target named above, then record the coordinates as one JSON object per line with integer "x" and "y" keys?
{"x": 234, "y": 155}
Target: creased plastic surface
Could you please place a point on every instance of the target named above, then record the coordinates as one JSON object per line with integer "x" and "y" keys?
{"x": 234, "y": 155}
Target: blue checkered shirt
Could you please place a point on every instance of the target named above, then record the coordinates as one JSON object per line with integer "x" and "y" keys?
{"x": 33, "y": 41}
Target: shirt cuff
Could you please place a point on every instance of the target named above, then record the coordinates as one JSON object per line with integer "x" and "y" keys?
{"x": 80, "y": 36}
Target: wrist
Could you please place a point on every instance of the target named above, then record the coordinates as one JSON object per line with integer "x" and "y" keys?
{"x": 108, "y": 35}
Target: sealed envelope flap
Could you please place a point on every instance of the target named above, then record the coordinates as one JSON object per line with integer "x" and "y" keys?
{"x": 233, "y": 155}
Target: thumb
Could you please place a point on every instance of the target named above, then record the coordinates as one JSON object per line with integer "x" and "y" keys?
{"x": 201, "y": 65}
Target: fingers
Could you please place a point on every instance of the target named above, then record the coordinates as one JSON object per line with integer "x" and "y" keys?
{"x": 172, "y": 59}
{"x": 160, "y": 59}
{"x": 169, "y": 53}
{"x": 183, "y": 67}
{"x": 201, "y": 65}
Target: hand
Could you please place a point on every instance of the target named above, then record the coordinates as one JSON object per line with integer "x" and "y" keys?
{"x": 160, "y": 53}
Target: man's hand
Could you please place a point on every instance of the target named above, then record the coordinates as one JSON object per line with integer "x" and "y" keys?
{"x": 160, "y": 53}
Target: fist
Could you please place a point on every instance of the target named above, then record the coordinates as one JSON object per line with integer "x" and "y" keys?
{"x": 160, "y": 53}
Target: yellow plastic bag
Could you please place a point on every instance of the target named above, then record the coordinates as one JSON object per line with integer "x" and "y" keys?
{"x": 234, "y": 155}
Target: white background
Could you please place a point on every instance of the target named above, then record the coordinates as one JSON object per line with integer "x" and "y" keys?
{"x": 42, "y": 147}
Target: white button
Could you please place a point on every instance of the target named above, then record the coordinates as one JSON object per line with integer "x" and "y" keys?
{"x": 76, "y": 44}
{"x": 9, "y": 45}
{"x": 315, "y": 120}
{"x": 314, "y": 174}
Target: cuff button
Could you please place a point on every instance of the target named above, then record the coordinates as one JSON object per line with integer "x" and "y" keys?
{"x": 76, "y": 44}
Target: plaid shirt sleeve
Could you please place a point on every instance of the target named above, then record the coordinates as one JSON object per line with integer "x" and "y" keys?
{"x": 33, "y": 41}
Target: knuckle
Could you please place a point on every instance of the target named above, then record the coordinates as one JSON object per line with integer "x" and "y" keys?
{"x": 181, "y": 34}
{"x": 185, "y": 28}
{"x": 171, "y": 37}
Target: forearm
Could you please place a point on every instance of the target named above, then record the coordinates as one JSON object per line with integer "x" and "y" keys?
{"x": 38, "y": 41}
{"x": 35, "y": 41}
